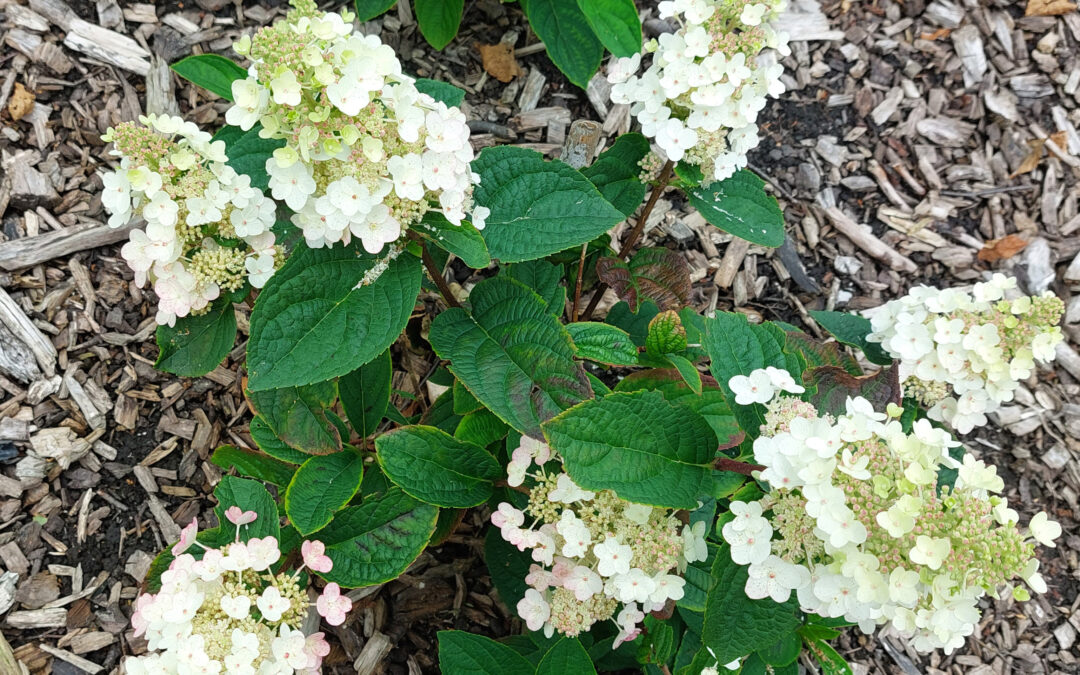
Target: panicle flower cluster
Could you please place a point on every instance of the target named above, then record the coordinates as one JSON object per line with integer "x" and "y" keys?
{"x": 228, "y": 612}
{"x": 979, "y": 344}
{"x": 857, "y": 524}
{"x": 207, "y": 229}
{"x": 594, "y": 551}
{"x": 700, "y": 97}
{"x": 350, "y": 119}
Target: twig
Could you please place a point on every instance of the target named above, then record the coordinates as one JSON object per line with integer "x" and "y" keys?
{"x": 577, "y": 287}
{"x": 735, "y": 466}
{"x": 437, "y": 276}
{"x": 635, "y": 234}
{"x": 516, "y": 488}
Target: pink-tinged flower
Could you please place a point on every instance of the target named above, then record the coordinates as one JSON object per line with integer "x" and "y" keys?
{"x": 316, "y": 647}
{"x": 507, "y": 515}
{"x": 238, "y": 517}
{"x": 332, "y": 605}
{"x": 534, "y": 609}
{"x": 263, "y": 552}
{"x": 314, "y": 556}
{"x": 187, "y": 537}
{"x": 138, "y": 620}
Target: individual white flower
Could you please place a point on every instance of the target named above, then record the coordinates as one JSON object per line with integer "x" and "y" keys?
{"x": 286, "y": 89}
{"x": 567, "y": 491}
{"x": 896, "y": 521}
{"x": 272, "y": 604}
{"x": 675, "y": 139}
{"x": 612, "y": 557}
{"x": 930, "y": 551}
{"x": 668, "y": 587}
{"x": 534, "y": 609}
{"x": 752, "y": 14}
{"x": 1044, "y": 530}
{"x": 249, "y": 103}
{"x": 748, "y": 546}
{"x": 575, "y": 534}
{"x": 904, "y": 587}
{"x": 633, "y": 586}
{"x": 757, "y": 387}
{"x": 775, "y": 578}
{"x": 695, "y": 549}
{"x": 236, "y": 606}
{"x": 976, "y": 475}
{"x": 584, "y": 582}
{"x": 292, "y": 184}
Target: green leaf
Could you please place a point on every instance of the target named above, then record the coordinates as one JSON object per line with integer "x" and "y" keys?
{"x": 571, "y": 44}
{"x": 658, "y": 274}
{"x": 657, "y": 643}
{"x": 436, "y": 468}
{"x": 834, "y": 386}
{"x": 365, "y": 393}
{"x": 369, "y": 9}
{"x": 616, "y": 23}
{"x": 634, "y": 323}
{"x": 197, "y": 344}
{"x": 321, "y": 487}
{"x": 852, "y": 329}
{"x": 439, "y": 20}
{"x": 378, "y": 540}
{"x": 464, "y": 401}
{"x": 441, "y": 91}
{"x": 827, "y": 657}
{"x": 638, "y": 444}
{"x": 689, "y": 175}
{"x": 735, "y": 625}
{"x": 462, "y": 653}
{"x": 689, "y": 373}
{"x": 507, "y": 565}
{"x": 603, "y": 343}
{"x": 248, "y": 152}
{"x": 299, "y": 416}
{"x": 710, "y": 404}
{"x": 253, "y": 464}
{"x": 249, "y": 495}
{"x": 481, "y": 428}
{"x": 464, "y": 240}
{"x": 817, "y": 353}
{"x": 441, "y": 414}
{"x": 211, "y": 72}
{"x": 567, "y": 657}
{"x": 512, "y": 354}
{"x": 666, "y": 334}
{"x": 269, "y": 443}
{"x": 544, "y": 278}
{"x": 615, "y": 172}
{"x": 698, "y": 577}
{"x": 312, "y": 323}
{"x": 783, "y": 651}
{"x": 537, "y": 207}
{"x": 741, "y": 206}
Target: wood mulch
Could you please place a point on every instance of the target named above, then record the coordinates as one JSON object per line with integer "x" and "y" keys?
{"x": 919, "y": 142}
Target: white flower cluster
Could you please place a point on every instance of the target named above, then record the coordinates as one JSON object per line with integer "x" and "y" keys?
{"x": 366, "y": 154}
{"x": 226, "y": 612}
{"x": 857, "y": 525}
{"x": 978, "y": 344}
{"x": 594, "y": 551}
{"x": 700, "y": 97}
{"x": 207, "y": 229}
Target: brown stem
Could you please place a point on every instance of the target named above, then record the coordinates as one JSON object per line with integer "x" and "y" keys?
{"x": 635, "y": 234}
{"x": 516, "y": 488}
{"x": 577, "y": 287}
{"x": 437, "y": 276}
{"x": 735, "y": 466}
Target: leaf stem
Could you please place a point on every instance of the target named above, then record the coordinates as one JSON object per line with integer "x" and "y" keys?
{"x": 635, "y": 234}
{"x": 437, "y": 275}
{"x": 577, "y": 287}
{"x": 735, "y": 466}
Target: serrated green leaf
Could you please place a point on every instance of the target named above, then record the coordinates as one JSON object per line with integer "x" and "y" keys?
{"x": 537, "y": 207}
{"x": 248, "y": 152}
{"x": 438, "y": 20}
{"x": 253, "y": 464}
{"x": 828, "y": 658}
{"x": 321, "y": 487}
{"x": 687, "y": 371}
{"x": 666, "y": 334}
{"x": 689, "y": 175}
{"x": 567, "y": 657}
{"x": 645, "y": 448}
{"x": 269, "y": 443}
{"x": 436, "y": 468}
{"x": 464, "y": 401}
{"x": 615, "y": 172}
{"x": 741, "y": 206}
{"x": 462, "y": 653}
{"x": 603, "y": 343}
{"x": 441, "y": 91}
{"x": 544, "y": 278}
{"x": 783, "y": 651}
{"x": 512, "y": 353}
{"x": 376, "y": 541}
{"x": 852, "y": 329}
{"x": 481, "y": 428}
{"x": 299, "y": 416}
{"x": 615, "y": 23}
{"x": 599, "y": 387}
{"x": 658, "y": 274}
{"x": 571, "y": 44}
{"x": 369, "y": 9}
{"x": 710, "y": 404}
{"x": 441, "y": 414}
{"x": 312, "y": 323}
{"x": 197, "y": 344}
{"x": 464, "y": 240}
{"x": 636, "y": 324}
{"x": 211, "y": 72}
{"x": 698, "y": 577}
{"x": 365, "y": 393}
{"x": 249, "y": 495}
{"x": 735, "y": 625}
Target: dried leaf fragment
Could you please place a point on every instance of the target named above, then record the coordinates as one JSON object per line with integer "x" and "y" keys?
{"x": 499, "y": 61}
{"x": 1002, "y": 249}
{"x": 1032, "y": 160}
{"x": 21, "y": 102}
{"x": 1049, "y": 7}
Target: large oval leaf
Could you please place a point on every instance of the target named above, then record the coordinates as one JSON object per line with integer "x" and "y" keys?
{"x": 462, "y": 653}
{"x": 197, "y": 344}
{"x": 616, "y": 23}
{"x": 537, "y": 207}
{"x": 741, "y": 206}
{"x": 512, "y": 354}
{"x": 615, "y": 172}
{"x": 300, "y": 416}
{"x": 212, "y": 72}
{"x": 248, "y": 152}
{"x": 365, "y": 393}
{"x": 571, "y": 44}
{"x": 434, "y": 467}
{"x": 313, "y": 321}
{"x": 378, "y": 540}
{"x": 321, "y": 487}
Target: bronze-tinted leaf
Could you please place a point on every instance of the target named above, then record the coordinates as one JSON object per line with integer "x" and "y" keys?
{"x": 657, "y": 274}
{"x": 835, "y": 385}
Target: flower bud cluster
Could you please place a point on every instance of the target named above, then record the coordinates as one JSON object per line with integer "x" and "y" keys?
{"x": 207, "y": 229}
{"x": 700, "y": 97}
{"x": 978, "y": 344}
{"x": 228, "y": 612}
{"x": 594, "y": 551}
{"x": 366, "y": 154}
{"x": 857, "y": 525}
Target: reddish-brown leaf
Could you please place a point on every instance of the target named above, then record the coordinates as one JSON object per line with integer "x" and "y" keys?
{"x": 499, "y": 61}
{"x": 1049, "y": 7}
{"x": 1001, "y": 249}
